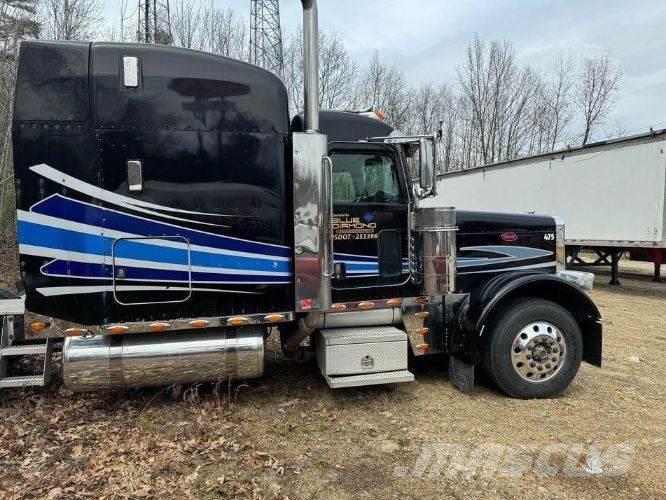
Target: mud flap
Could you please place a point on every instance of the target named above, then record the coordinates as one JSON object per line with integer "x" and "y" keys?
{"x": 461, "y": 374}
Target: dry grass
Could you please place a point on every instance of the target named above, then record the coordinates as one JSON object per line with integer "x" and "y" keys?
{"x": 289, "y": 435}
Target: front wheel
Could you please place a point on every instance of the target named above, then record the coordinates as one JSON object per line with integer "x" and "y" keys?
{"x": 535, "y": 349}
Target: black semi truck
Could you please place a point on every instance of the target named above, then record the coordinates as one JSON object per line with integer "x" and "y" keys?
{"x": 171, "y": 217}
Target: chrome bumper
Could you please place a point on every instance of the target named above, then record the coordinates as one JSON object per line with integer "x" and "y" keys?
{"x": 580, "y": 278}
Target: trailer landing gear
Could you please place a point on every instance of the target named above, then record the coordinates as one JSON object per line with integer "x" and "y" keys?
{"x": 657, "y": 257}
{"x": 606, "y": 256}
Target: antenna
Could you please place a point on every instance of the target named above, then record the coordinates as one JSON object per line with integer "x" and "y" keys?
{"x": 154, "y": 22}
{"x": 266, "y": 35}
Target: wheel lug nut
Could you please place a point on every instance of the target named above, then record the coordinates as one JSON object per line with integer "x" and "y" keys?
{"x": 532, "y": 364}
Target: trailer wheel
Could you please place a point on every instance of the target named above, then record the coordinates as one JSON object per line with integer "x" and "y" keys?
{"x": 535, "y": 349}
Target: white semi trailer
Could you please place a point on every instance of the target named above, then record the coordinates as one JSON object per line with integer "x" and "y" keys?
{"x": 610, "y": 194}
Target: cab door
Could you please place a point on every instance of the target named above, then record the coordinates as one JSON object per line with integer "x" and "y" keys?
{"x": 370, "y": 214}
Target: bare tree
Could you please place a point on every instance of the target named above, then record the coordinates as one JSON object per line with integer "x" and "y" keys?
{"x": 559, "y": 99}
{"x": 292, "y": 75}
{"x": 223, "y": 32}
{"x": 500, "y": 98}
{"x": 17, "y": 22}
{"x": 337, "y": 72}
{"x": 186, "y": 23}
{"x": 70, "y": 19}
{"x": 385, "y": 87}
{"x": 426, "y": 108}
{"x": 596, "y": 91}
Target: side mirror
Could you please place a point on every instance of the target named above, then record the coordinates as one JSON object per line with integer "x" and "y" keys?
{"x": 427, "y": 167}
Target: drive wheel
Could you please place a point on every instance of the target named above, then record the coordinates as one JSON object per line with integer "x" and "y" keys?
{"x": 535, "y": 349}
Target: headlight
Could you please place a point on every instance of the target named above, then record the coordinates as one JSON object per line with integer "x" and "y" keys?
{"x": 560, "y": 248}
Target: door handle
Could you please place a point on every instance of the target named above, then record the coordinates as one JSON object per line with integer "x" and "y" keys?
{"x": 329, "y": 189}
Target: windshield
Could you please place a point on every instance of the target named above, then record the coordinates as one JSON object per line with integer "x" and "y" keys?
{"x": 365, "y": 178}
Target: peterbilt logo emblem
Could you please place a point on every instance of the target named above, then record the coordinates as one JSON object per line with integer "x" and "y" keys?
{"x": 367, "y": 362}
{"x": 509, "y": 237}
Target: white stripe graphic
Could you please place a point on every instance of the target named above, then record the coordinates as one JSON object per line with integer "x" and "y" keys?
{"x": 531, "y": 266}
{"x": 52, "y": 291}
{"x": 102, "y": 194}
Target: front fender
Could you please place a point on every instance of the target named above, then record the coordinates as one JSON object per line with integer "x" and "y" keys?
{"x": 483, "y": 304}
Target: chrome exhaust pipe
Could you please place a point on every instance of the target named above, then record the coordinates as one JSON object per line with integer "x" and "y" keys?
{"x": 311, "y": 65}
{"x": 143, "y": 360}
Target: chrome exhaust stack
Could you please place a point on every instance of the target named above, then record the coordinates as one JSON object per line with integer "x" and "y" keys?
{"x": 143, "y": 360}
{"x": 311, "y": 64}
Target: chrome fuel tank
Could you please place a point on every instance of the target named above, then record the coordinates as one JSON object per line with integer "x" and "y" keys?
{"x": 122, "y": 361}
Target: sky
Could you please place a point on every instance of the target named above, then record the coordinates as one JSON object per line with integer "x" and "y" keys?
{"x": 427, "y": 38}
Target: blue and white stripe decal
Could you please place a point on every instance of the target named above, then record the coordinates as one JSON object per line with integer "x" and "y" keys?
{"x": 363, "y": 266}
{"x": 80, "y": 238}
{"x": 67, "y": 209}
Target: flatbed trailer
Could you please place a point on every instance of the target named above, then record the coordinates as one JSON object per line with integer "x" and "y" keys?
{"x": 610, "y": 194}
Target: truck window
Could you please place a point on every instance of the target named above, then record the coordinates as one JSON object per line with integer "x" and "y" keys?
{"x": 365, "y": 178}
{"x": 343, "y": 187}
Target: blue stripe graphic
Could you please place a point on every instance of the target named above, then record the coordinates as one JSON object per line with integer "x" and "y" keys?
{"x": 74, "y": 241}
{"x": 75, "y": 211}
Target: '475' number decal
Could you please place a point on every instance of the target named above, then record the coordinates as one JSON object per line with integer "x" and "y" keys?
{"x": 549, "y": 237}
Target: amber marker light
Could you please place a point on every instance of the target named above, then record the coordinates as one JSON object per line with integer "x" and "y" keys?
{"x": 338, "y": 307}
{"x": 423, "y": 347}
{"x": 422, "y": 314}
{"x": 237, "y": 321}
{"x": 75, "y": 332}
{"x": 274, "y": 318}
{"x": 38, "y": 326}
{"x": 393, "y": 302}
{"x": 117, "y": 328}
{"x": 158, "y": 327}
{"x": 199, "y": 323}
{"x": 423, "y": 300}
{"x": 423, "y": 331}
{"x": 366, "y": 305}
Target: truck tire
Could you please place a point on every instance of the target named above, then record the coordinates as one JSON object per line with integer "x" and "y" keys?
{"x": 535, "y": 349}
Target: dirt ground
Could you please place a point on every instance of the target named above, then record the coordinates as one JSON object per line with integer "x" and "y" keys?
{"x": 288, "y": 435}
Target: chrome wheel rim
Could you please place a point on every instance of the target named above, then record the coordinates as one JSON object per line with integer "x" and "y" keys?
{"x": 538, "y": 352}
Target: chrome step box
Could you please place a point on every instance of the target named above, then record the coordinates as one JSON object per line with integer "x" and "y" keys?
{"x": 356, "y": 356}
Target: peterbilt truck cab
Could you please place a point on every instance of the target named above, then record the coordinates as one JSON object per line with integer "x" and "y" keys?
{"x": 171, "y": 217}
